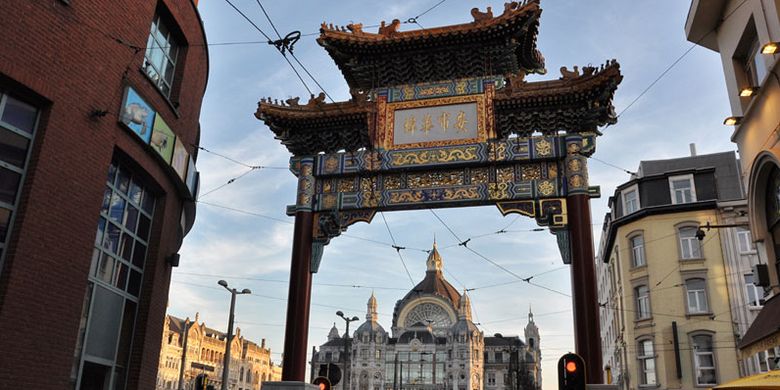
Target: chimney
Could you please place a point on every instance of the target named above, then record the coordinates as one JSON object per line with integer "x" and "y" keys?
{"x": 693, "y": 149}
{"x": 262, "y": 343}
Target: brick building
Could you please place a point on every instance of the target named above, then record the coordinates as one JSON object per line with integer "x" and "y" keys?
{"x": 99, "y": 108}
{"x": 250, "y": 363}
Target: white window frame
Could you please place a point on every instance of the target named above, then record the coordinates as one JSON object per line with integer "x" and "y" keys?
{"x": 637, "y": 251}
{"x": 635, "y": 189}
{"x": 643, "y": 310}
{"x": 696, "y": 300}
{"x": 745, "y": 241}
{"x": 647, "y": 376}
{"x": 752, "y": 289}
{"x": 673, "y": 192}
{"x": 170, "y": 49}
{"x": 697, "y": 362}
{"x": 689, "y": 243}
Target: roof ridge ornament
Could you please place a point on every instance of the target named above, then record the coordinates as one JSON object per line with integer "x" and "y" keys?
{"x": 481, "y": 17}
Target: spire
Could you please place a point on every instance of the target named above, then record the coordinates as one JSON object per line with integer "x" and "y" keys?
{"x": 333, "y": 334}
{"x": 371, "y": 314}
{"x": 434, "y": 261}
{"x": 530, "y": 314}
{"x": 464, "y": 311}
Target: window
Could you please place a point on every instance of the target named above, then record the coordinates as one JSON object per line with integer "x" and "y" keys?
{"x": 690, "y": 247}
{"x": 696, "y": 295}
{"x": 642, "y": 302}
{"x": 499, "y": 357}
{"x": 704, "y": 360}
{"x": 18, "y": 121}
{"x": 755, "y": 69}
{"x": 491, "y": 378}
{"x": 646, "y": 359}
{"x": 682, "y": 189}
{"x": 753, "y": 293}
{"x": 114, "y": 282}
{"x": 637, "y": 250}
{"x": 160, "y": 58}
{"x": 630, "y": 201}
{"x": 766, "y": 360}
{"x": 745, "y": 240}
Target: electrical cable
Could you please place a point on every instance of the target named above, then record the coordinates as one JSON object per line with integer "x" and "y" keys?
{"x": 499, "y": 266}
{"x": 397, "y": 249}
{"x": 231, "y": 181}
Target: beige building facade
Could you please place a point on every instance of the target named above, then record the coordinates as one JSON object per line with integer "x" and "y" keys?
{"x": 663, "y": 280}
{"x": 250, "y": 364}
{"x": 746, "y": 34}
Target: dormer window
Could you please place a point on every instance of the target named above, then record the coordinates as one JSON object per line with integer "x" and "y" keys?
{"x": 682, "y": 189}
{"x": 630, "y": 200}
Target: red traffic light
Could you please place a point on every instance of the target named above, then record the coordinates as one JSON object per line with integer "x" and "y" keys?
{"x": 571, "y": 372}
{"x": 322, "y": 382}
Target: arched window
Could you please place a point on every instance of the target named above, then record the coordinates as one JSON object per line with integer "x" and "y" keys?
{"x": 690, "y": 246}
{"x": 704, "y": 359}
{"x": 642, "y": 293}
{"x": 646, "y": 356}
{"x": 637, "y": 244}
{"x": 241, "y": 375}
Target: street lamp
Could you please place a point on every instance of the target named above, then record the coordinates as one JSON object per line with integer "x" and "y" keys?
{"x": 226, "y": 364}
{"x": 347, "y": 347}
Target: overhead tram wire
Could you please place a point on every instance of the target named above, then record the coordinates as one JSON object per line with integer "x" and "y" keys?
{"x": 499, "y": 266}
{"x": 397, "y": 248}
{"x": 231, "y": 181}
{"x": 271, "y": 40}
{"x": 237, "y": 161}
{"x": 268, "y": 280}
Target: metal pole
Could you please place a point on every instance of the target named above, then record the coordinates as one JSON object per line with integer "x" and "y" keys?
{"x": 185, "y": 337}
{"x": 226, "y": 363}
{"x": 347, "y": 348}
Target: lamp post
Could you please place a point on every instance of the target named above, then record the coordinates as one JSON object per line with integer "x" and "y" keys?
{"x": 226, "y": 363}
{"x": 347, "y": 347}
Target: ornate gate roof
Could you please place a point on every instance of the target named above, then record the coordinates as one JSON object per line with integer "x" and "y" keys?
{"x": 488, "y": 45}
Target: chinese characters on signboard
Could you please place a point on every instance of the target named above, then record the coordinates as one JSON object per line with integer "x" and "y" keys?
{"x": 435, "y": 123}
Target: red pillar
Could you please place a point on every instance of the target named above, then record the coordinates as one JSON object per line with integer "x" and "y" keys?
{"x": 587, "y": 333}
{"x": 296, "y": 334}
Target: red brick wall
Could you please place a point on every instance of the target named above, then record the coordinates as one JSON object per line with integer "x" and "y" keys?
{"x": 65, "y": 59}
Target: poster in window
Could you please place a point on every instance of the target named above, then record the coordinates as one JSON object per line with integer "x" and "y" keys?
{"x": 162, "y": 139}
{"x": 137, "y": 115}
{"x": 180, "y": 159}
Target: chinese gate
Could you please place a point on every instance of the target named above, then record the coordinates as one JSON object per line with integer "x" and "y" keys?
{"x": 438, "y": 118}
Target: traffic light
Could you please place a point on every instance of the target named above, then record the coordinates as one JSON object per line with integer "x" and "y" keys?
{"x": 571, "y": 372}
{"x": 322, "y": 382}
{"x": 201, "y": 381}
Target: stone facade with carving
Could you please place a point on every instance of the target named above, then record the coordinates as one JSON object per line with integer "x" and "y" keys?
{"x": 432, "y": 345}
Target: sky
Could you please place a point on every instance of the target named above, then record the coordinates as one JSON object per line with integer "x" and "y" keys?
{"x": 243, "y": 236}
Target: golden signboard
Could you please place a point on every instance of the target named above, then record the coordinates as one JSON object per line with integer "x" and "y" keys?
{"x": 425, "y": 123}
